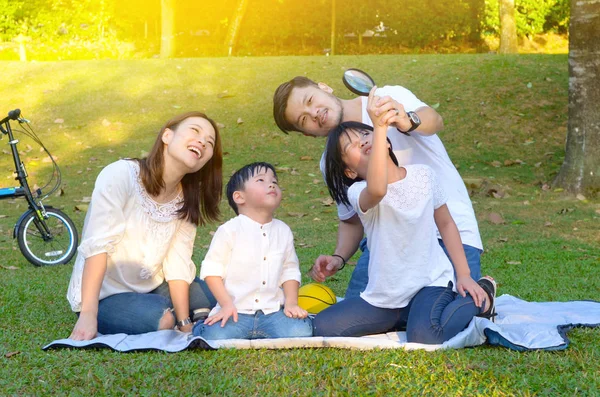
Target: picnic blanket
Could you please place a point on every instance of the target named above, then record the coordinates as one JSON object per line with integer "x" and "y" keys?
{"x": 520, "y": 325}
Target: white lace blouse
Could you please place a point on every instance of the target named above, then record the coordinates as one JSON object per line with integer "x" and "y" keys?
{"x": 145, "y": 242}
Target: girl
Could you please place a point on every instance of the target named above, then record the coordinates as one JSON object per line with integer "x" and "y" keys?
{"x": 411, "y": 280}
{"x": 134, "y": 271}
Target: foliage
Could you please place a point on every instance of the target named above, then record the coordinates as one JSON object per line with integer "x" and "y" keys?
{"x": 496, "y": 110}
{"x": 73, "y": 29}
{"x": 532, "y": 16}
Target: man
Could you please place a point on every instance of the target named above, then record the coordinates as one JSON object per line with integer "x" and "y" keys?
{"x": 311, "y": 108}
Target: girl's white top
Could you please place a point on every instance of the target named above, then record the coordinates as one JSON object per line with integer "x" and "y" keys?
{"x": 146, "y": 243}
{"x": 405, "y": 255}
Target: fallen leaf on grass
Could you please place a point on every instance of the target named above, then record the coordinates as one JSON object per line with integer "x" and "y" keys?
{"x": 225, "y": 94}
{"x": 495, "y": 218}
{"x": 327, "y": 202}
{"x": 296, "y": 214}
{"x": 220, "y": 125}
{"x": 10, "y": 354}
{"x": 545, "y": 187}
{"x": 10, "y": 267}
{"x": 537, "y": 165}
{"x": 240, "y": 121}
{"x": 513, "y": 263}
{"x": 598, "y": 211}
{"x": 49, "y": 160}
{"x": 581, "y": 197}
{"x": 503, "y": 239}
{"x": 106, "y": 123}
{"x": 548, "y": 224}
{"x": 496, "y": 163}
{"x": 305, "y": 158}
{"x": 81, "y": 207}
{"x": 59, "y": 121}
{"x": 565, "y": 211}
{"x": 3, "y": 216}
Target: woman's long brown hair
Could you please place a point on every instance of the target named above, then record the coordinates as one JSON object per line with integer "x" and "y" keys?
{"x": 202, "y": 190}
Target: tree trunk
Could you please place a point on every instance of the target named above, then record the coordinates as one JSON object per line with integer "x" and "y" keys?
{"x": 508, "y": 27}
{"x": 234, "y": 29}
{"x": 332, "y": 43}
{"x": 580, "y": 172}
{"x": 167, "y": 28}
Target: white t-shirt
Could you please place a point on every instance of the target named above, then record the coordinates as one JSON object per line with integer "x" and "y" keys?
{"x": 145, "y": 241}
{"x": 405, "y": 255}
{"x": 254, "y": 261}
{"x": 429, "y": 150}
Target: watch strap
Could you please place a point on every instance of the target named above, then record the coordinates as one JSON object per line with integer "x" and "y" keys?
{"x": 184, "y": 322}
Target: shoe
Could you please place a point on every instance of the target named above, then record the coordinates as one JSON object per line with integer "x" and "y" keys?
{"x": 489, "y": 286}
{"x": 200, "y": 314}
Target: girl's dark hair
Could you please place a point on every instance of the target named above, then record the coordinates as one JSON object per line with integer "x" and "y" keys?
{"x": 202, "y": 190}
{"x": 335, "y": 175}
{"x": 241, "y": 176}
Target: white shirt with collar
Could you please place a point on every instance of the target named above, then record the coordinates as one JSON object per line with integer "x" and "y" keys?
{"x": 254, "y": 261}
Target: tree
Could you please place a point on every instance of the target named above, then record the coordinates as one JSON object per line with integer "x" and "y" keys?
{"x": 167, "y": 31}
{"x": 580, "y": 172}
{"x": 508, "y": 27}
{"x": 234, "y": 29}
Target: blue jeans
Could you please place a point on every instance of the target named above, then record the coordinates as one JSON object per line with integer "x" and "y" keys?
{"x": 256, "y": 326}
{"x": 134, "y": 313}
{"x": 434, "y": 315}
{"x": 360, "y": 275}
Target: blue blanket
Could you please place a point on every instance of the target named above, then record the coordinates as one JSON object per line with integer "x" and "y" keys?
{"x": 520, "y": 325}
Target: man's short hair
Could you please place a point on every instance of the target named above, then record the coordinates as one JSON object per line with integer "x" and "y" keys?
{"x": 281, "y": 97}
{"x": 241, "y": 176}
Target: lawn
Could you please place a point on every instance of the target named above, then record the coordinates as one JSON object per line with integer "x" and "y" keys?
{"x": 506, "y": 123}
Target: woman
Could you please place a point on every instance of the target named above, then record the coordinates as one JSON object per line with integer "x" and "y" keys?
{"x": 134, "y": 271}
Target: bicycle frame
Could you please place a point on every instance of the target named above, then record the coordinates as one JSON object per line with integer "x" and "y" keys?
{"x": 24, "y": 189}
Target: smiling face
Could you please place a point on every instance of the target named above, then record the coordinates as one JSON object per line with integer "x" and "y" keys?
{"x": 314, "y": 110}
{"x": 260, "y": 192}
{"x": 355, "y": 147}
{"x": 190, "y": 145}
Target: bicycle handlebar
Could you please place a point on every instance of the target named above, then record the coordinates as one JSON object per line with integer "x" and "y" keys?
{"x": 12, "y": 115}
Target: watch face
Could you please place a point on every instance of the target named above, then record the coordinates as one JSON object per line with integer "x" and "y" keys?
{"x": 414, "y": 118}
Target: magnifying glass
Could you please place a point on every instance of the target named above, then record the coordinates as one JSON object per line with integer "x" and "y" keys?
{"x": 358, "y": 82}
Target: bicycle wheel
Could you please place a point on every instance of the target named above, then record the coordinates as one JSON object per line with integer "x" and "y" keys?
{"x": 58, "y": 249}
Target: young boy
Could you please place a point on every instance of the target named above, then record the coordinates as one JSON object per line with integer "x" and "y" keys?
{"x": 251, "y": 266}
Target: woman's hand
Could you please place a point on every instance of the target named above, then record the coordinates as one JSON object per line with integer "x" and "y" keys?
{"x": 294, "y": 311}
{"x": 466, "y": 284}
{"x": 226, "y": 312}
{"x": 86, "y": 327}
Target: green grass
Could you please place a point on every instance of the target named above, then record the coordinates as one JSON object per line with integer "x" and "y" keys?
{"x": 547, "y": 249}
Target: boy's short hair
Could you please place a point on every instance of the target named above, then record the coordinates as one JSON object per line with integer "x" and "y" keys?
{"x": 241, "y": 176}
{"x": 281, "y": 97}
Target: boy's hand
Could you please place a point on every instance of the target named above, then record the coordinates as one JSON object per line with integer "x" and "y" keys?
{"x": 294, "y": 311}
{"x": 467, "y": 284}
{"x": 223, "y": 315}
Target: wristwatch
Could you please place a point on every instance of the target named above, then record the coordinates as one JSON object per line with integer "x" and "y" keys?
{"x": 184, "y": 322}
{"x": 415, "y": 122}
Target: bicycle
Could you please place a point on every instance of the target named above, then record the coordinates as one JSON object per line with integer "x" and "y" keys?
{"x": 46, "y": 235}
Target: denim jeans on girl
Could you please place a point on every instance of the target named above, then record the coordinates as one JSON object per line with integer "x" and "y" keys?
{"x": 134, "y": 313}
{"x": 256, "y": 326}
{"x": 360, "y": 275}
{"x": 433, "y": 316}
